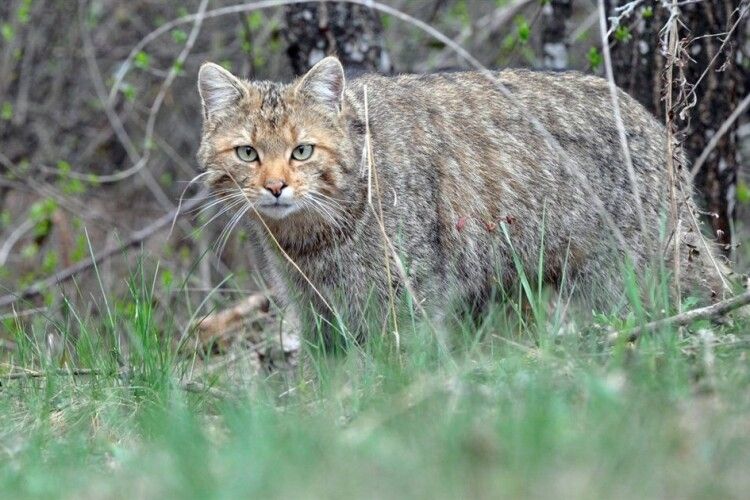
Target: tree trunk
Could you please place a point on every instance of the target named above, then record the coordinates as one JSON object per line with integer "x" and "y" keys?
{"x": 639, "y": 66}
{"x": 351, "y": 32}
{"x": 554, "y": 34}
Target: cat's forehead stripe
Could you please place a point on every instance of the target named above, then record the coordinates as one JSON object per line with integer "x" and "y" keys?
{"x": 272, "y": 105}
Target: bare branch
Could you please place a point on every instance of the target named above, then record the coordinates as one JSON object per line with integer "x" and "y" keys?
{"x": 709, "y": 312}
{"x": 66, "y": 274}
{"x": 741, "y": 108}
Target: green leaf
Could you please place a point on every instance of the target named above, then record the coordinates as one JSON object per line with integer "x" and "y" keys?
{"x": 7, "y": 31}
{"x": 622, "y": 34}
{"x": 74, "y": 186}
{"x": 128, "y": 91}
{"x": 167, "y": 278}
{"x": 63, "y": 167}
{"x": 179, "y": 36}
{"x": 255, "y": 20}
{"x": 29, "y": 251}
{"x": 142, "y": 60}
{"x": 6, "y": 111}
{"x": 24, "y": 12}
{"x": 743, "y": 192}
{"x": 594, "y": 58}
{"x": 49, "y": 262}
{"x": 523, "y": 29}
{"x": 80, "y": 249}
{"x": 42, "y": 209}
{"x": 178, "y": 67}
{"x": 460, "y": 11}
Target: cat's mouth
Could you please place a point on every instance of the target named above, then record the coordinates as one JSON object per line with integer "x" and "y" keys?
{"x": 277, "y": 210}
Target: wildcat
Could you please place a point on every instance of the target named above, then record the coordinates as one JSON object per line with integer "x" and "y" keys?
{"x": 476, "y": 177}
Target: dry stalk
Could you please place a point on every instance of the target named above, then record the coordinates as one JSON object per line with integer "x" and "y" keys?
{"x": 675, "y": 53}
{"x": 372, "y": 175}
{"x": 286, "y": 255}
{"x": 672, "y": 40}
{"x": 622, "y": 134}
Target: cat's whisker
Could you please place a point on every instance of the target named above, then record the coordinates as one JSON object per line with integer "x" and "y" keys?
{"x": 338, "y": 202}
{"x": 338, "y": 212}
{"x": 182, "y": 197}
{"x": 326, "y": 212}
{"x": 328, "y": 202}
{"x": 224, "y": 234}
{"x": 311, "y": 204}
{"x": 213, "y": 203}
{"x": 224, "y": 237}
{"x": 213, "y": 196}
{"x": 221, "y": 212}
{"x": 224, "y": 228}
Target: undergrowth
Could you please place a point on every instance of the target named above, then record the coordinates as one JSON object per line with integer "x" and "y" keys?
{"x": 521, "y": 403}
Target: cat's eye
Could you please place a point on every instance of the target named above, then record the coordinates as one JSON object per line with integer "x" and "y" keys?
{"x": 246, "y": 153}
{"x": 302, "y": 152}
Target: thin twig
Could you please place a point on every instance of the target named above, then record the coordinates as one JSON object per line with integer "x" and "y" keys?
{"x": 683, "y": 319}
{"x": 742, "y": 9}
{"x": 139, "y": 161}
{"x": 186, "y": 385}
{"x": 13, "y": 238}
{"x": 27, "y": 374}
{"x": 21, "y": 314}
{"x": 67, "y": 273}
{"x": 743, "y": 105}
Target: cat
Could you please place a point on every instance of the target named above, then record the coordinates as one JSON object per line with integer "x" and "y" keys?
{"x": 444, "y": 186}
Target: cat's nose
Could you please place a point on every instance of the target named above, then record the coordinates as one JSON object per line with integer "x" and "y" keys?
{"x": 275, "y": 186}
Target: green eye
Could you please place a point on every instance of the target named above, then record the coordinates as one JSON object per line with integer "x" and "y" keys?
{"x": 246, "y": 153}
{"x": 303, "y": 152}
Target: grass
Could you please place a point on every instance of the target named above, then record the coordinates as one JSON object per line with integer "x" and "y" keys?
{"x": 516, "y": 407}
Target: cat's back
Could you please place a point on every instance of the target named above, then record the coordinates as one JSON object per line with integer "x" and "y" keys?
{"x": 551, "y": 97}
{"x": 510, "y": 118}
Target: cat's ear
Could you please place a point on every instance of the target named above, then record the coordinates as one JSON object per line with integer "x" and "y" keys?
{"x": 219, "y": 89}
{"x": 325, "y": 83}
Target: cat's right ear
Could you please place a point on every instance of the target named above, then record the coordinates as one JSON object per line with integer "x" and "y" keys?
{"x": 219, "y": 89}
{"x": 325, "y": 83}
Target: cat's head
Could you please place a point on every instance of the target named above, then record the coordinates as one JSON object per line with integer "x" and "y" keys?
{"x": 283, "y": 147}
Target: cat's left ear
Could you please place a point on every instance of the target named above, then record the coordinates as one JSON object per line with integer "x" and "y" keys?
{"x": 325, "y": 83}
{"x": 219, "y": 89}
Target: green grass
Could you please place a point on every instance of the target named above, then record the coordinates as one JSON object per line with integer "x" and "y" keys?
{"x": 514, "y": 408}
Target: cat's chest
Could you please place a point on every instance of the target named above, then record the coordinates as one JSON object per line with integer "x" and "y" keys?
{"x": 320, "y": 269}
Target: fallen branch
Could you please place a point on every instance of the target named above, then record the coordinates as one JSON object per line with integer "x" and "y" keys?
{"x": 67, "y": 273}
{"x": 683, "y": 319}
{"x": 187, "y": 385}
{"x": 219, "y": 324}
{"x": 25, "y": 374}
